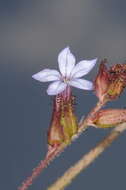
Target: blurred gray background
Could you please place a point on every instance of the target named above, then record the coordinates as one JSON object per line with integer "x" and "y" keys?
{"x": 32, "y": 33}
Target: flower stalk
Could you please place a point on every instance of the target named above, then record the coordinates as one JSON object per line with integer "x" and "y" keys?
{"x": 86, "y": 122}
{"x": 52, "y": 153}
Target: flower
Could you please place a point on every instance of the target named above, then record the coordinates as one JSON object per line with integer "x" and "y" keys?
{"x": 69, "y": 74}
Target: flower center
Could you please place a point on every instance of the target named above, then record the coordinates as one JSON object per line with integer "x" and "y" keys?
{"x": 65, "y": 79}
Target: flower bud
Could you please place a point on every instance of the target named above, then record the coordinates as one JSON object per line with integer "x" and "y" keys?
{"x": 109, "y": 118}
{"x": 64, "y": 123}
{"x": 109, "y": 83}
{"x": 102, "y": 81}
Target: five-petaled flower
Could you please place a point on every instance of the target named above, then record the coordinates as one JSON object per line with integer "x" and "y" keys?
{"x": 69, "y": 74}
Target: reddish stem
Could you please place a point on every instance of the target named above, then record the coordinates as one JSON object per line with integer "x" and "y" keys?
{"x": 51, "y": 154}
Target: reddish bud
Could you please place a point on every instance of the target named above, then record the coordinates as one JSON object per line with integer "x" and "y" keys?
{"x": 109, "y": 83}
{"x": 109, "y": 118}
{"x": 102, "y": 81}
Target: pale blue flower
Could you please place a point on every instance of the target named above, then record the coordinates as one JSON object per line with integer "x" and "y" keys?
{"x": 69, "y": 74}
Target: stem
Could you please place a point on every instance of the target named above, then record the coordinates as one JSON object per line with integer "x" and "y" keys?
{"x": 87, "y": 159}
{"x": 57, "y": 150}
{"x": 43, "y": 164}
{"x": 86, "y": 122}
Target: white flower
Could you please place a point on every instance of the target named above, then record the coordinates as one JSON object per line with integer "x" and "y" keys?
{"x": 69, "y": 74}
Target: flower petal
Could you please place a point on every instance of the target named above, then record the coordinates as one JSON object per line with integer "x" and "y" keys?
{"x": 47, "y": 75}
{"x": 56, "y": 88}
{"x": 81, "y": 83}
{"x": 66, "y": 62}
{"x": 83, "y": 67}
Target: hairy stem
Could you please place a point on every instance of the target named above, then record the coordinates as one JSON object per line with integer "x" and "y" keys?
{"x": 43, "y": 164}
{"x": 86, "y": 122}
{"x": 87, "y": 159}
{"x": 56, "y": 151}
